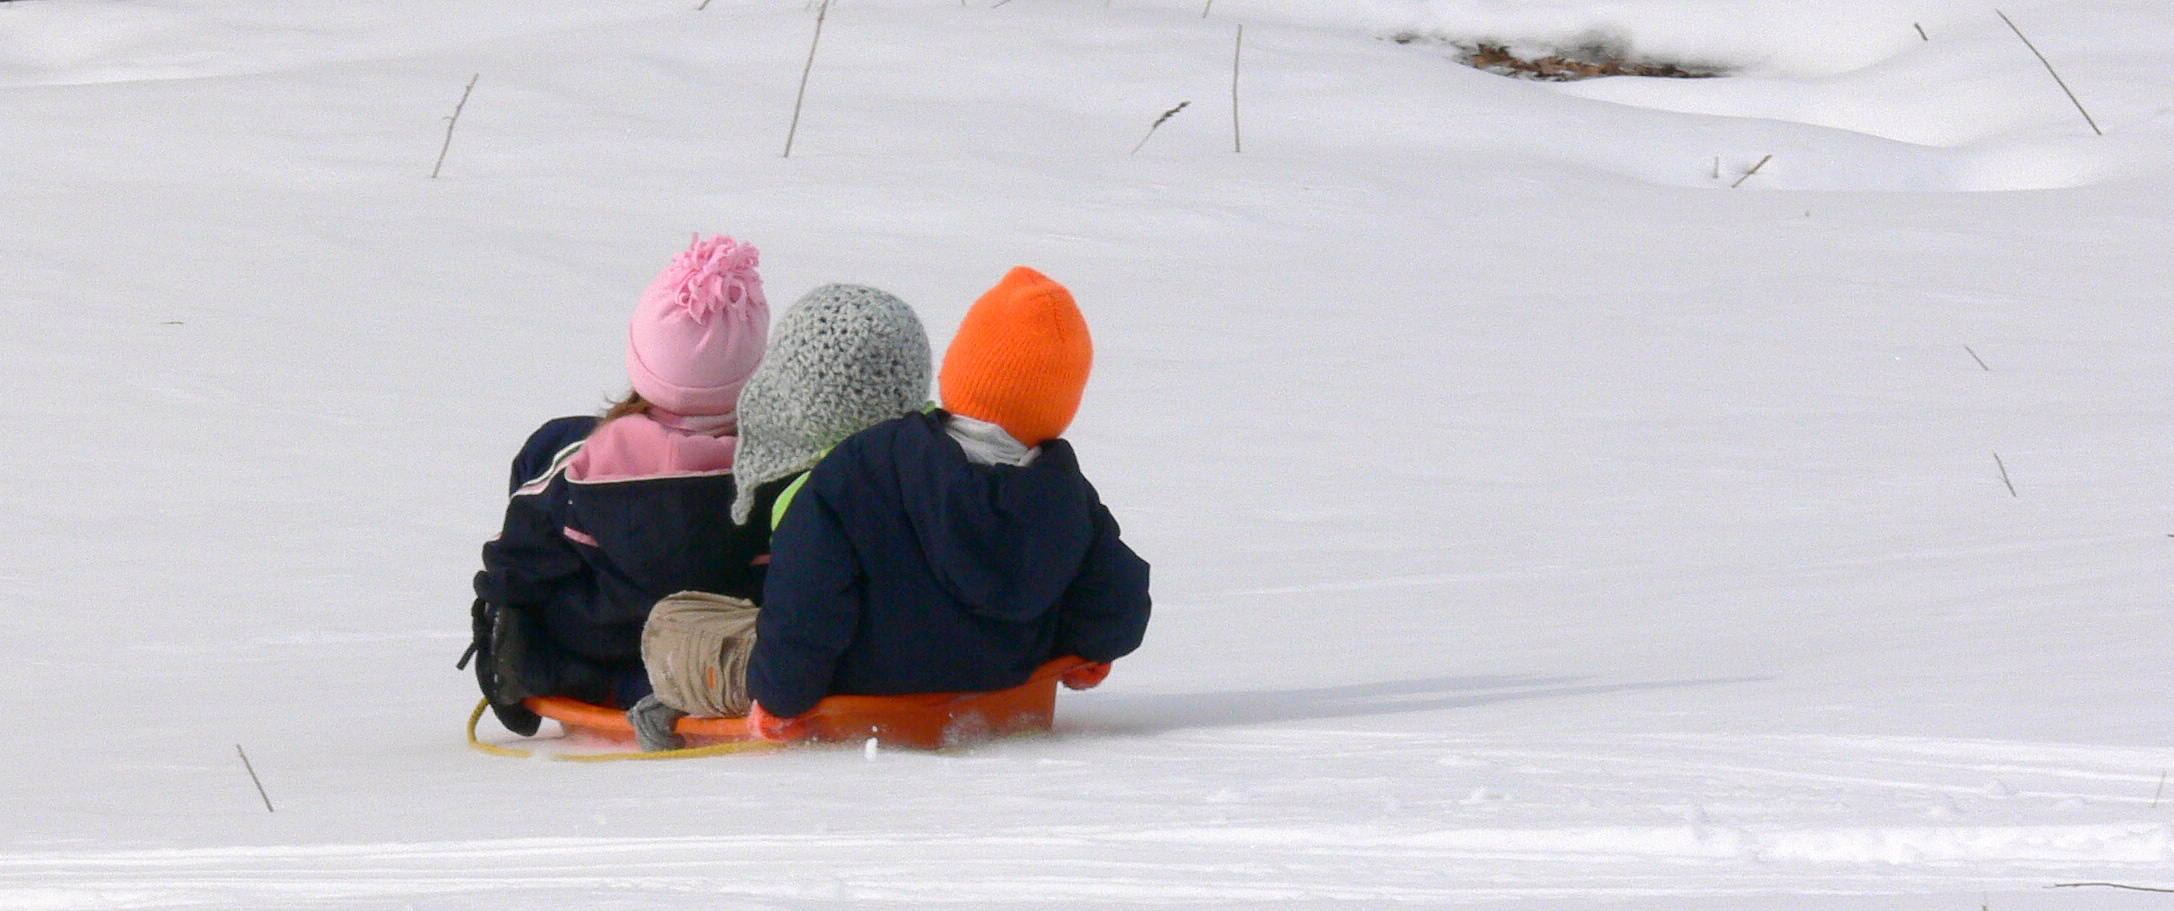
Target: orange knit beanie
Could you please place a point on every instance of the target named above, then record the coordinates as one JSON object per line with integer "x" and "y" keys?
{"x": 1021, "y": 358}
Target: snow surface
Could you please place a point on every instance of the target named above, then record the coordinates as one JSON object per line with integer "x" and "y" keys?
{"x": 1537, "y": 522}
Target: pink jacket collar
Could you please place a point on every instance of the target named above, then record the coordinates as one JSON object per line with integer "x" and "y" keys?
{"x": 640, "y": 446}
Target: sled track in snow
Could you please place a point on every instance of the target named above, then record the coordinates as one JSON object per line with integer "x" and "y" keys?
{"x": 1283, "y": 866}
{"x": 1425, "y": 820}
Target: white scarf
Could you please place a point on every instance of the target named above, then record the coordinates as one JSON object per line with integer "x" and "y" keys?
{"x": 989, "y": 444}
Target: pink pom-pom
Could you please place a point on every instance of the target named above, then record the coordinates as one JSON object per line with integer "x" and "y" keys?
{"x": 715, "y": 276}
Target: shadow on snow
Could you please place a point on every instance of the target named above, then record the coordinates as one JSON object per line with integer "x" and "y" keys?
{"x": 1122, "y": 713}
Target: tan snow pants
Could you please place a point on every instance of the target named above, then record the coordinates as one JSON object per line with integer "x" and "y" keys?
{"x": 695, "y": 647}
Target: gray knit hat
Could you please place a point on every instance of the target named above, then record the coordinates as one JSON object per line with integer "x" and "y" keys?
{"x": 843, "y": 359}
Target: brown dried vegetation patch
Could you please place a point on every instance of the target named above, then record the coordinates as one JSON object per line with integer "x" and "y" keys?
{"x": 1566, "y": 65}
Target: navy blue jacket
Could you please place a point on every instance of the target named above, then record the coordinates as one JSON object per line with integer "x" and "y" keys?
{"x": 902, "y": 567}
{"x": 589, "y": 560}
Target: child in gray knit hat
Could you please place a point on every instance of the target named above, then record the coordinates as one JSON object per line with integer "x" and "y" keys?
{"x": 842, "y": 359}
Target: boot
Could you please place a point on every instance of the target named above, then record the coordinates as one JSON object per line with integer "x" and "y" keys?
{"x": 653, "y": 721}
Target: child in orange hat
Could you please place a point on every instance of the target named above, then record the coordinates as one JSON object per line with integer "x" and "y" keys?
{"x": 959, "y": 549}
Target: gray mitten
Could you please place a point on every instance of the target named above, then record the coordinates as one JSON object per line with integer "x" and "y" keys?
{"x": 653, "y": 721}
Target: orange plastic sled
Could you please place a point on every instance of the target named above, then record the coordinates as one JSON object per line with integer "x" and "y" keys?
{"x": 921, "y": 720}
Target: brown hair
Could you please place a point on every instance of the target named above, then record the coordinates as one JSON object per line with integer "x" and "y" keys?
{"x": 633, "y": 404}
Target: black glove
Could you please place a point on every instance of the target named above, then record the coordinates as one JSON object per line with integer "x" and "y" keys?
{"x": 499, "y": 646}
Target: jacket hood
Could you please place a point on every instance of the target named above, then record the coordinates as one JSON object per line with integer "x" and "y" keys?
{"x": 1005, "y": 541}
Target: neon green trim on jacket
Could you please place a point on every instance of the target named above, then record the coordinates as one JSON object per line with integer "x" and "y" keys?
{"x": 785, "y": 499}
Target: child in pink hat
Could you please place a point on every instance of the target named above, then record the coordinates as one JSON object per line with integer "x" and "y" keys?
{"x": 608, "y": 514}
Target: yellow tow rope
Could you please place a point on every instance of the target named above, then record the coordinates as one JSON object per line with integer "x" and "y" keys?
{"x": 715, "y": 749}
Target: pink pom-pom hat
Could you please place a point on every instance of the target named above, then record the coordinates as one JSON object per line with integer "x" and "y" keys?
{"x": 699, "y": 330}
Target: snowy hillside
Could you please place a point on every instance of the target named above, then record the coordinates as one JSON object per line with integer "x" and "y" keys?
{"x": 1537, "y": 521}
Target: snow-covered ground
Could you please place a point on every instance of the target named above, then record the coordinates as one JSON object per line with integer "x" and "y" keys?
{"x": 1537, "y": 522}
